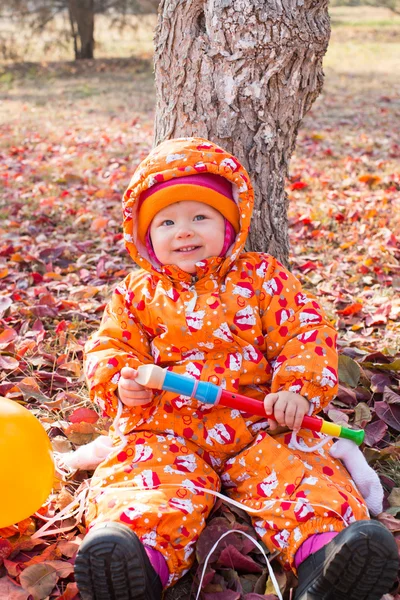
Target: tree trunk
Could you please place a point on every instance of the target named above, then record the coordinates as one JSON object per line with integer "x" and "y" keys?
{"x": 243, "y": 73}
{"x": 81, "y": 17}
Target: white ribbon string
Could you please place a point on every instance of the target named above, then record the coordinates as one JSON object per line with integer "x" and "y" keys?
{"x": 318, "y": 446}
{"x": 257, "y": 544}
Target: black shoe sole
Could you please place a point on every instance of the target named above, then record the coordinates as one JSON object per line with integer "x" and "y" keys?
{"x": 361, "y": 563}
{"x": 112, "y": 565}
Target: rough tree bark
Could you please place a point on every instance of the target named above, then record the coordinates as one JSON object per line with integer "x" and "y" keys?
{"x": 243, "y": 73}
{"x": 81, "y": 18}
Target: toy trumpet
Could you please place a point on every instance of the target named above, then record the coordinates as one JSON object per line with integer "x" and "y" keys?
{"x": 158, "y": 378}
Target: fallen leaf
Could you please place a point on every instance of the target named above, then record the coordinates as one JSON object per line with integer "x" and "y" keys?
{"x": 390, "y": 413}
{"x": 5, "y": 549}
{"x": 349, "y": 371}
{"x": 8, "y": 363}
{"x": 70, "y": 592}
{"x": 39, "y": 580}
{"x": 375, "y": 432}
{"x": 11, "y": 591}
{"x": 84, "y": 415}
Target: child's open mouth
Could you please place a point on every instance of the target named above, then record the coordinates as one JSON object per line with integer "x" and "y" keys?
{"x": 188, "y": 249}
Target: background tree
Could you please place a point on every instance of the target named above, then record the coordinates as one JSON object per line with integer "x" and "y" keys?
{"x": 81, "y": 17}
{"x": 37, "y": 15}
{"x": 243, "y": 73}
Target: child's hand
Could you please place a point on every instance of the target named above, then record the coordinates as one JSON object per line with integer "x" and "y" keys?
{"x": 130, "y": 392}
{"x": 288, "y": 409}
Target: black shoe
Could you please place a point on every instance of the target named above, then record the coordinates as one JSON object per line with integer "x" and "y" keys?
{"x": 112, "y": 564}
{"x": 360, "y": 563}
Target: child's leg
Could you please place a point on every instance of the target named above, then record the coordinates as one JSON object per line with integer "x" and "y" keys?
{"x": 150, "y": 488}
{"x": 299, "y": 494}
{"x": 312, "y": 544}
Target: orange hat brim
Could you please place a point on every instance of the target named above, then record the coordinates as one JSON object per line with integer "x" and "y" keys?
{"x": 179, "y": 193}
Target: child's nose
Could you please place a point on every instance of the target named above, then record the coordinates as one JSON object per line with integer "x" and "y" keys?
{"x": 184, "y": 231}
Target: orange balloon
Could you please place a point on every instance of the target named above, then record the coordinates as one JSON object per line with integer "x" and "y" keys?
{"x": 26, "y": 463}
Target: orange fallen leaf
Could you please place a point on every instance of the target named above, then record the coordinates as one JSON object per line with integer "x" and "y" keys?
{"x": 370, "y": 179}
{"x": 70, "y": 592}
{"x": 99, "y": 223}
{"x": 352, "y": 309}
{"x": 7, "y": 532}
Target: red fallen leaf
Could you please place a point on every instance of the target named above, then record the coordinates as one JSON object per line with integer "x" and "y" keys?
{"x": 6, "y": 387}
{"x": 13, "y": 568}
{"x": 213, "y": 532}
{"x": 39, "y": 330}
{"x": 48, "y": 554}
{"x": 352, "y": 309}
{"x": 308, "y": 266}
{"x": 8, "y": 363}
{"x": 390, "y": 522}
{"x": 62, "y": 326}
{"x": 376, "y": 357}
{"x": 5, "y": 549}
{"x": 43, "y": 310}
{"x": 83, "y": 415}
{"x": 379, "y": 382}
{"x": 375, "y": 432}
{"x": 54, "y": 377}
{"x": 10, "y": 590}
{"x": 390, "y": 414}
{"x": 231, "y": 557}
{"x": 391, "y": 397}
{"x": 347, "y": 395}
{"x": 298, "y": 185}
{"x": 379, "y": 317}
{"x": 37, "y": 277}
{"x": 69, "y": 547}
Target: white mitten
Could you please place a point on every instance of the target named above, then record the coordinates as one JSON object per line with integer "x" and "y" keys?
{"x": 90, "y": 455}
{"x": 364, "y": 476}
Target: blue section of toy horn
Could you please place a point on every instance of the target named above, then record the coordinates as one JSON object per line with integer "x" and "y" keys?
{"x": 187, "y": 386}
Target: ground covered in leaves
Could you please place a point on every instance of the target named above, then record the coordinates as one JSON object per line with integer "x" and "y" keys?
{"x": 64, "y": 164}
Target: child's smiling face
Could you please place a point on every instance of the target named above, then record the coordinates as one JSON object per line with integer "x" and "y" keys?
{"x": 186, "y": 232}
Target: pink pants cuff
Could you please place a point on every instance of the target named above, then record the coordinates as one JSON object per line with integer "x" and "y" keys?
{"x": 313, "y": 544}
{"x": 158, "y": 563}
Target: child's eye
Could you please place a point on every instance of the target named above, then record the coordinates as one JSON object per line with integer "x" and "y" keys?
{"x": 199, "y": 218}
{"x": 167, "y": 222}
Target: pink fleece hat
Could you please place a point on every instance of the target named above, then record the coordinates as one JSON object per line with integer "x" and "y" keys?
{"x": 211, "y": 189}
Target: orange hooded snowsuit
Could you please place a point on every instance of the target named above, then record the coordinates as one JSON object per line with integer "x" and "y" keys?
{"x": 242, "y": 322}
